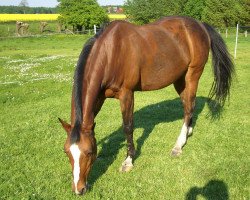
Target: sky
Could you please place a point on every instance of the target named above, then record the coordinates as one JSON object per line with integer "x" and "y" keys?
{"x": 53, "y": 3}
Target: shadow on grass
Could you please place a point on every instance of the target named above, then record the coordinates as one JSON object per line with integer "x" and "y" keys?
{"x": 213, "y": 190}
{"x": 146, "y": 118}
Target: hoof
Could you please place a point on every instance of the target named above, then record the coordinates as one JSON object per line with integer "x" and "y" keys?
{"x": 126, "y": 168}
{"x": 176, "y": 151}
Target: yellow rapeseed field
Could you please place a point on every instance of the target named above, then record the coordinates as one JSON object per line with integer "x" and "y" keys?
{"x": 43, "y": 17}
{"x": 28, "y": 17}
{"x": 117, "y": 16}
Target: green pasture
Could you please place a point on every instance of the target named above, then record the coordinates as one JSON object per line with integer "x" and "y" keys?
{"x": 35, "y": 84}
{"x": 8, "y": 29}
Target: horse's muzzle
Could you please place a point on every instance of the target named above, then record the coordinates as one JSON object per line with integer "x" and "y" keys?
{"x": 82, "y": 191}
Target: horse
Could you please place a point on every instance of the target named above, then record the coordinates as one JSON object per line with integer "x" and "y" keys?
{"x": 123, "y": 58}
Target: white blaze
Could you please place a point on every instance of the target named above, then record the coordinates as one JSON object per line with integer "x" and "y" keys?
{"x": 75, "y": 151}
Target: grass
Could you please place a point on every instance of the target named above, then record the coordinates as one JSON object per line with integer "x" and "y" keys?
{"x": 8, "y": 29}
{"x": 35, "y": 83}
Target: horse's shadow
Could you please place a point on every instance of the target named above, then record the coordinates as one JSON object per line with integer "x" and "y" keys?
{"x": 146, "y": 118}
{"x": 213, "y": 190}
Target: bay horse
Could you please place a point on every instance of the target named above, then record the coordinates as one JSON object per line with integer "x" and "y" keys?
{"x": 124, "y": 58}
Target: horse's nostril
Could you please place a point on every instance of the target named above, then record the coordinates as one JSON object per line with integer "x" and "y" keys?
{"x": 83, "y": 191}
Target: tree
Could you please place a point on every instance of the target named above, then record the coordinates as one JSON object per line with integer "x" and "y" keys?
{"x": 145, "y": 11}
{"x": 224, "y": 13}
{"x": 24, "y": 4}
{"x": 194, "y": 8}
{"x": 81, "y": 13}
{"x": 245, "y": 15}
{"x": 216, "y": 12}
{"x": 176, "y": 7}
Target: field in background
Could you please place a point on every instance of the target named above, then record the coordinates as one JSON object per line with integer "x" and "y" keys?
{"x": 8, "y": 23}
{"x": 43, "y": 17}
{"x": 8, "y": 29}
{"x": 28, "y": 17}
{"x": 36, "y": 82}
{"x": 117, "y": 16}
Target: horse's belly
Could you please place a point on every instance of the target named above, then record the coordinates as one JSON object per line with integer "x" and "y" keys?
{"x": 164, "y": 65}
{"x": 160, "y": 77}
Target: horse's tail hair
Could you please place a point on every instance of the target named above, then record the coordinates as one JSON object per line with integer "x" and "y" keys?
{"x": 223, "y": 67}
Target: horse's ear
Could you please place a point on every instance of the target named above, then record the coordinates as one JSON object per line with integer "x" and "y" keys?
{"x": 66, "y": 126}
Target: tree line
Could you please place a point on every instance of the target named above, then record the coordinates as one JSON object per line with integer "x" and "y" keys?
{"x": 220, "y": 13}
{"x": 84, "y": 14}
{"x": 27, "y": 10}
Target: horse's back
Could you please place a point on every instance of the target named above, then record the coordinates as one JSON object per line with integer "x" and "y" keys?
{"x": 154, "y": 56}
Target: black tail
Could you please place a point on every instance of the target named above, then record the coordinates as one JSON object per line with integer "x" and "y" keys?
{"x": 223, "y": 67}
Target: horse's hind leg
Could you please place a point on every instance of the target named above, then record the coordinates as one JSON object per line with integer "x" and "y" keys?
{"x": 186, "y": 87}
{"x": 127, "y": 107}
{"x": 99, "y": 103}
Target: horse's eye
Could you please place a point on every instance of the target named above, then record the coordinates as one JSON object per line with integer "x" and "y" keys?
{"x": 88, "y": 153}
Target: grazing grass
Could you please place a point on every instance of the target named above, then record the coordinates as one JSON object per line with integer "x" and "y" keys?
{"x": 35, "y": 83}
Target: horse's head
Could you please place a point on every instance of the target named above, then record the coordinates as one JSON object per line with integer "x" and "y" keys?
{"x": 81, "y": 155}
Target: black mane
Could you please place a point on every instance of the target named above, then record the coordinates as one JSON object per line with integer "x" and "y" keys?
{"x": 77, "y": 87}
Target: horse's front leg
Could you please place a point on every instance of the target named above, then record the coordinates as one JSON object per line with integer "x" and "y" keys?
{"x": 127, "y": 108}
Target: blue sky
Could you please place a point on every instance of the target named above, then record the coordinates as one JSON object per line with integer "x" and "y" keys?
{"x": 53, "y": 3}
